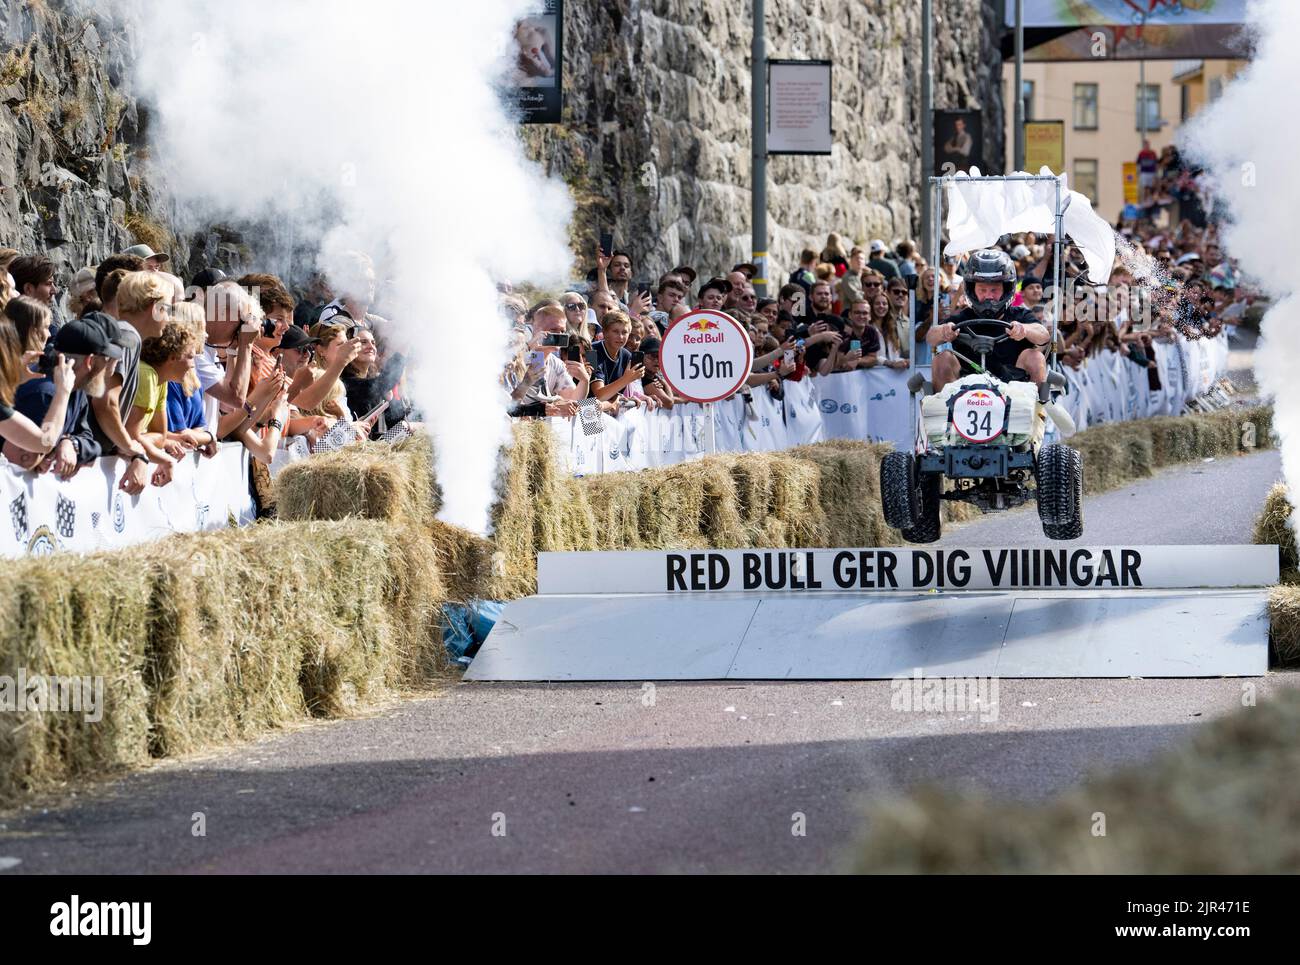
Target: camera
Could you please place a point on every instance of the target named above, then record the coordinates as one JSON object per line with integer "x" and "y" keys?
{"x": 555, "y": 340}
{"x": 268, "y": 328}
{"x": 48, "y": 360}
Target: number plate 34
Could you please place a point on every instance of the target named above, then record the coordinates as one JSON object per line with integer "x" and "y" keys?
{"x": 979, "y": 415}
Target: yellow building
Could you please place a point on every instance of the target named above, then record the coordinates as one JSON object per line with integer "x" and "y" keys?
{"x": 1100, "y": 104}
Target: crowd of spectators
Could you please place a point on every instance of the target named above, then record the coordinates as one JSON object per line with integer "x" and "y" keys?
{"x": 846, "y": 307}
{"x": 124, "y": 359}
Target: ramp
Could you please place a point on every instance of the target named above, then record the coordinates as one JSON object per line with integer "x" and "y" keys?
{"x": 1095, "y": 612}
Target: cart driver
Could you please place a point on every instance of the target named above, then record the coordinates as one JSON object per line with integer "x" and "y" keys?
{"x": 990, "y": 279}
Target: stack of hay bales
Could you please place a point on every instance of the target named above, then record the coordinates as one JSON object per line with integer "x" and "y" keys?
{"x": 1271, "y": 528}
{"x": 1222, "y": 804}
{"x": 1117, "y": 453}
{"x": 210, "y": 637}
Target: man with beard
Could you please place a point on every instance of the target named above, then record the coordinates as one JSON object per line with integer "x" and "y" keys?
{"x": 93, "y": 356}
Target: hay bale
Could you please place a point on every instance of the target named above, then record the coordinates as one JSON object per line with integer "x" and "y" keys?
{"x": 1221, "y": 804}
{"x": 1284, "y": 624}
{"x": 75, "y": 616}
{"x": 257, "y": 627}
{"x": 850, "y": 491}
{"x": 464, "y": 561}
{"x": 1271, "y": 528}
{"x": 779, "y": 500}
{"x": 372, "y": 480}
{"x": 537, "y": 508}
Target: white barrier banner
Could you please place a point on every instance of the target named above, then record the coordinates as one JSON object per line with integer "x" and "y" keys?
{"x": 843, "y": 405}
{"x": 89, "y": 512}
{"x": 803, "y": 415}
{"x": 766, "y": 431}
{"x": 887, "y": 400}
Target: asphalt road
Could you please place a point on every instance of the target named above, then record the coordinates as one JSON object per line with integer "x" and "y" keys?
{"x": 707, "y": 777}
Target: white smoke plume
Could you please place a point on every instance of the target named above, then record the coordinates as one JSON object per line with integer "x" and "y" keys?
{"x": 374, "y": 127}
{"x": 1250, "y": 147}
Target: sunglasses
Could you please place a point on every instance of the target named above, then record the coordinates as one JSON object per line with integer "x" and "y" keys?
{"x": 871, "y": 284}
{"x": 574, "y": 306}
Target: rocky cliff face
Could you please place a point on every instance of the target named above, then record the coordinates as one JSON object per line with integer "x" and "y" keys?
{"x": 657, "y": 134}
{"x": 70, "y": 137}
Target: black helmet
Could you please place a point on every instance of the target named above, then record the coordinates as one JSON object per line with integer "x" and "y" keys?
{"x": 990, "y": 264}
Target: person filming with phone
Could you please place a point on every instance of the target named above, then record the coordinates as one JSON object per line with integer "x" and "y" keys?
{"x": 550, "y": 385}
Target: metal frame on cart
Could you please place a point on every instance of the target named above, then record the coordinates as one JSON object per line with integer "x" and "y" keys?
{"x": 937, "y": 185}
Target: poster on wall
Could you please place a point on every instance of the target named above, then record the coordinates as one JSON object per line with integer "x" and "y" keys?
{"x": 799, "y": 107}
{"x": 1045, "y": 146}
{"x": 958, "y": 141}
{"x": 537, "y": 67}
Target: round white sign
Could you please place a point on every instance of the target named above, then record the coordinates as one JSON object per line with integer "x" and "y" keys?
{"x": 706, "y": 356}
{"x": 979, "y": 415}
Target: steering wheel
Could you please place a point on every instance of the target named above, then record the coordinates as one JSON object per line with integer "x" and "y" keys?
{"x": 995, "y": 339}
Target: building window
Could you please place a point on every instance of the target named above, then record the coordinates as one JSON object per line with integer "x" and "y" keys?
{"x": 1085, "y": 107}
{"x": 1216, "y": 88}
{"x": 1151, "y": 104}
{"x": 1184, "y": 101}
{"x": 1027, "y": 92}
{"x": 1085, "y": 178}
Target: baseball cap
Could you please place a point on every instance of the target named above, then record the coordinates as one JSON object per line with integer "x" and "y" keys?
{"x": 721, "y": 284}
{"x": 108, "y": 324}
{"x": 296, "y": 338}
{"x": 749, "y": 270}
{"x": 877, "y": 246}
{"x": 207, "y": 278}
{"x": 1030, "y": 280}
{"x": 650, "y": 346}
{"x": 83, "y": 336}
{"x": 687, "y": 272}
{"x": 144, "y": 251}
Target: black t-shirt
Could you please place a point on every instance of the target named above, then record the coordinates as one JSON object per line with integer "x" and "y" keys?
{"x": 1005, "y": 352}
{"x": 6, "y": 412}
{"x": 822, "y": 350}
{"x": 606, "y": 369}
{"x": 870, "y": 339}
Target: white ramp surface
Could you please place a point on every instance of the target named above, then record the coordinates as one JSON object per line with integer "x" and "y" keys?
{"x": 1118, "y": 633}
{"x": 1184, "y": 613}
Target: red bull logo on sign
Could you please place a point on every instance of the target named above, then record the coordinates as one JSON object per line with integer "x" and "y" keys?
{"x": 702, "y": 325}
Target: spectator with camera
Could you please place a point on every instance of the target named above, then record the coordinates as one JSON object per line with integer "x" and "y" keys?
{"x": 74, "y": 370}
{"x": 543, "y": 382}
{"x": 859, "y": 347}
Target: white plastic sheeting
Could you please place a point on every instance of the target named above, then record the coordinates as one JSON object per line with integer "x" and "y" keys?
{"x": 980, "y": 212}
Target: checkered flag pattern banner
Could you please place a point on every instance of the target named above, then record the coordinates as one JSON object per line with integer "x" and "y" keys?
{"x": 397, "y": 432}
{"x": 589, "y": 417}
{"x": 340, "y": 434}
{"x": 65, "y": 516}
{"x": 18, "y": 514}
